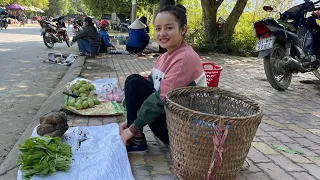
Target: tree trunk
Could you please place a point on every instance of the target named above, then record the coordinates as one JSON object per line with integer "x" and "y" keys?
{"x": 209, "y": 18}
{"x": 233, "y": 18}
{"x": 166, "y": 2}
{"x": 147, "y": 14}
{"x": 134, "y": 11}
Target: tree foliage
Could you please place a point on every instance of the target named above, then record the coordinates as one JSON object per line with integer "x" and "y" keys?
{"x": 52, "y": 7}
{"x": 58, "y": 7}
{"x": 99, "y": 7}
{"x": 4, "y": 2}
{"x": 42, "y": 4}
{"x": 243, "y": 39}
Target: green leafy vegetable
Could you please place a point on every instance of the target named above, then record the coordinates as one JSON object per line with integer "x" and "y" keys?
{"x": 287, "y": 150}
{"x": 44, "y": 155}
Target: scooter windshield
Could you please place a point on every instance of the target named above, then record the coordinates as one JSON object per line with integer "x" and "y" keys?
{"x": 295, "y": 8}
{"x": 301, "y": 7}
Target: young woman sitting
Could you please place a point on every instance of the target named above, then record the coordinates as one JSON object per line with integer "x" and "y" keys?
{"x": 180, "y": 66}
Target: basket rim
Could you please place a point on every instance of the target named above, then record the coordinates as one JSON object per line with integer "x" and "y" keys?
{"x": 259, "y": 112}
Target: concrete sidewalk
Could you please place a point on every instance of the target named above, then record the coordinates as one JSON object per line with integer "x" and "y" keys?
{"x": 291, "y": 118}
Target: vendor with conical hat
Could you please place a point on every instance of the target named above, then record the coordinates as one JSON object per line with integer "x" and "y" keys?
{"x": 138, "y": 37}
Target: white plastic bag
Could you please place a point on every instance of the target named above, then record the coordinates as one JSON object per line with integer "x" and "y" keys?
{"x": 101, "y": 156}
{"x": 108, "y": 90}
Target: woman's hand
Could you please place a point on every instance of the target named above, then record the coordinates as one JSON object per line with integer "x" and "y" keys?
{"x": 122, "y": 127}
{"x": 126, "y": 136}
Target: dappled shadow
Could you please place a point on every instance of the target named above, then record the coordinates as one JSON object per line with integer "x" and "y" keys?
{"x": 117, "y": 66}
{"x": 34, "y": 30}
{"x": 241, "y": 75}
{"x": 25, "y": 82}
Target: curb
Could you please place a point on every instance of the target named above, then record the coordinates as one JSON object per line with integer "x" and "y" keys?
{"x": 9, "y": 167}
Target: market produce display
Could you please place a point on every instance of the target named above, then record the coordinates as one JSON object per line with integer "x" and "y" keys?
{"x": 53, "y": 124}
{"x": 86, "y": 99}
{"x": 44, "y": 155}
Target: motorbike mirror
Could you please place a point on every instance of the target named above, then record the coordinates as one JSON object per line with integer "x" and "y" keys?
{"x": 268, "y": 8}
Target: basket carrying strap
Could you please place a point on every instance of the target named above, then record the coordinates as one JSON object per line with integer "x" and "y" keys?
{"x": 219, "y": 137}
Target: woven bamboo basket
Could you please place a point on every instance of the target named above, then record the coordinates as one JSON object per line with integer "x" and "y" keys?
{"x": 191, "y": 113}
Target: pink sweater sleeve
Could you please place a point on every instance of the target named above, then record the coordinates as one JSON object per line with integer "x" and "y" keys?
{"x": 183, "y": 70}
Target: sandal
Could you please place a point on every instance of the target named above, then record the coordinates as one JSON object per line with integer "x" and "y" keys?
{"x": 91, "y": 55}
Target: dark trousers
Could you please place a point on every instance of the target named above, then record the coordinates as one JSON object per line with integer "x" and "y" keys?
{"x": 137, "y": 90}
{"x": 85, "y": 47}
{"x": 137, "y": 49}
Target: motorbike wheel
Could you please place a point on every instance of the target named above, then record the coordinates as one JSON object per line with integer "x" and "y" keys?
{"x": 1, "y": 25}
{"x": 278, "y": 78}
{"x": 47, "y": 39}
{"x": 317, "y": 73}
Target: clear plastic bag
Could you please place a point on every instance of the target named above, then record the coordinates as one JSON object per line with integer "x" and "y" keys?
{"x": 107, "y": 89}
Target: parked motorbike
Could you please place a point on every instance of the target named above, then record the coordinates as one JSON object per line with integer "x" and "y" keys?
{"x": 288, "y": 45}
{"x": 77, "y": 26}
{"x": 54, "y": 32}
{"x": 3, "y": 22}
{"x": 123, "y": 26}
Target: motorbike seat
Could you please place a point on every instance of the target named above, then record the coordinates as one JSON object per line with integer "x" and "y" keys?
{"x": 316, "y": 14}
{"x": 57, "y": 19}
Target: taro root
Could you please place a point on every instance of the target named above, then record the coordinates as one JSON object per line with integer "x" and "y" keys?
{"x": 53, "y": 124}
{"x": 57, "y": 133}
{"x": 42, "y": 129}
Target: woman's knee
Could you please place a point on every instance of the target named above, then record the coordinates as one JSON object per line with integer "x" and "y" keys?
{"x": 132, "y": 79}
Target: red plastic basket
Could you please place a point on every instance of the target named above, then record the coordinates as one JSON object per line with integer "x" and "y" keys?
{"x": 212, "y": 73}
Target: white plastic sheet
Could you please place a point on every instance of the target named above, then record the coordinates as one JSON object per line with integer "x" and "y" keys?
{"x": 100, "y": 156}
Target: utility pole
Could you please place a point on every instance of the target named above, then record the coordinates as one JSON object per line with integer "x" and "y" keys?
{"x": 147, "y": 14}
{"x": 134, "y": 11}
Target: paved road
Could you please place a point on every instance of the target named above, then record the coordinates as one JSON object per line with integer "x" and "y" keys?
{"x": 25, "y": 81}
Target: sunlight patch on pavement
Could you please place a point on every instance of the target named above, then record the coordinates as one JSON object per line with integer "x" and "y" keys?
{"x": 145, "y": 73}
{"x": 5, "y": 50}
{"x": 22, "y": 86}
{"x": 41, "y": 95}
{"x": 32, "y": 95}
{"x": 26, "y": 61}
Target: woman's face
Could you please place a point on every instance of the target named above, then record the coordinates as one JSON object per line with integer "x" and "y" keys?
{"x": 85, "y": 23}
{"x": 167, "y": 31}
